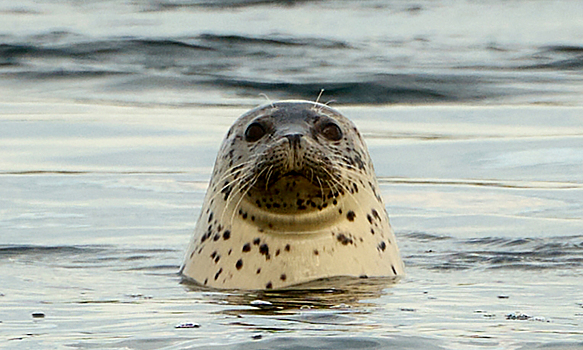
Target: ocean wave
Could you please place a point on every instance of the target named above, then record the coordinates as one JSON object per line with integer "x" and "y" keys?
{"x": 499, "y": 253}
{"x": 244, "y": 66}
{"x": 11, "y": 251}
{"x": 161, "y": 5}
{"x": 375, "y": 89}
{"x": 94, "y": 256}
{"x": 557, "y": 57}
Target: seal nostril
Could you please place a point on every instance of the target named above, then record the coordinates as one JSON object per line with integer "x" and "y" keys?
{"x": 294, "y": 139}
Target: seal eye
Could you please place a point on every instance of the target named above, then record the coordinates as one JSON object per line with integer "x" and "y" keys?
{"x": 332, "y": 132}
{"x": 254, "y": 132}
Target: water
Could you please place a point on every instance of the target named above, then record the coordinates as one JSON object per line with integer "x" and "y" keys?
{"x": 111, "y": 114}
{"x": 228, "y": 52}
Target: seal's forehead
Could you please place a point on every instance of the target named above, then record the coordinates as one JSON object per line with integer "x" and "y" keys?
{"x": 293, "y": 111}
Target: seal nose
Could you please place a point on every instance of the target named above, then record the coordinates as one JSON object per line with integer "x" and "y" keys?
{"x": 294, "y": 139}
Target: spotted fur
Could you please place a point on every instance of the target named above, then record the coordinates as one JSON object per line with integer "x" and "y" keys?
{"x": 293, "y": 198}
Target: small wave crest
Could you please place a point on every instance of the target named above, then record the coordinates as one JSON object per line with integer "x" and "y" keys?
{"x": 500, "y": 253}
{"x": 558, "y": 57}
{"x": 155, "y": 260}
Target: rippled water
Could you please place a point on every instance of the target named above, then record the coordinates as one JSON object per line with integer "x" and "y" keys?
{"x": 225, "y": 52}
{"x": 96, "y": 216}
{"x": 111, "y": 114}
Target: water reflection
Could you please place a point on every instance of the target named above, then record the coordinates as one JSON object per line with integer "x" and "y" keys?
{"x": 341, "y": 293}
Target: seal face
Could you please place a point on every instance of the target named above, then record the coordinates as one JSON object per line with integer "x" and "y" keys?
{"x": 293, "y": 198}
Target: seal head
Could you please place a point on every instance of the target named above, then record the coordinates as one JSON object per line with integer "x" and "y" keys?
{"x": 293, "y": 198}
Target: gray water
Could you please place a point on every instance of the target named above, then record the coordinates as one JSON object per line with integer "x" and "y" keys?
{"x": 111, "y": 114}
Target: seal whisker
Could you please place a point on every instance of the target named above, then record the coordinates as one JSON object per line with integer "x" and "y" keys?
{"x": 231, "y": 174}
{"x": 347, "y": 190}
{"x": 247, "y": 187}
{"x": 232, "y": 170}
{"x": 267, "y": 98}
{"x": 269, "y": 173}
{"x": 319, "y": 95}
{"x": 247, "y": 184}
{"x": 321, "y": 189}
{"x": 351, "y": 171}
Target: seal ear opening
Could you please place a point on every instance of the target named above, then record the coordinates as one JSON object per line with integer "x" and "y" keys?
{"x": 254, "y": 132}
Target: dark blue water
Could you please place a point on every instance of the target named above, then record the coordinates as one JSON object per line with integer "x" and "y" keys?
{"x": 230, "y": 52}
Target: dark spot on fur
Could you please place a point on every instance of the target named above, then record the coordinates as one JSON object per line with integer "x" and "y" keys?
{"x": 287, "y": 247}
{"x": 239, "y": 264}
{"x": 213, "y": 254}
{"x": 369, "y": 218}
{"x": 258, "y": 271}
{"x": 269, "y": 285}
{"x": 217, "y": 259}
{"x": 363, "y": 276}
{"x": 376, "y": 214}
{"x": 350, "y": 216}
{"x": 226, "y": 191}
{"x": 226, "y": 235}
{"x": 246, "y": 247}
{"x": 218, "y": 273}
{"x": 216, "y": 237}
{"x": 256, "y": 241}
{"x": 283, "y": 277}
{"x": 342, "y": 238}
{"x": 206, "y": 281}
{"x": 316, "y": 252}
{"x": 264, "y": 249}
{"x": 372, "y": 231}
{"x": 277, "y": 252}
{"x": 244, "y": 216}
{"x": 393, "y": 268}
{"x": 210, "y": 217}
{"x": 205, "y": 236}
{"x": 382, "y": 246}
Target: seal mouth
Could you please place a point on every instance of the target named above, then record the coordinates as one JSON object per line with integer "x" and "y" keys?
{"x": 293, "y": 173}
{"x": 306, "y": 177}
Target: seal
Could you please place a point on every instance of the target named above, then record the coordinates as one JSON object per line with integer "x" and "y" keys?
{"x": 293, "y": 198}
